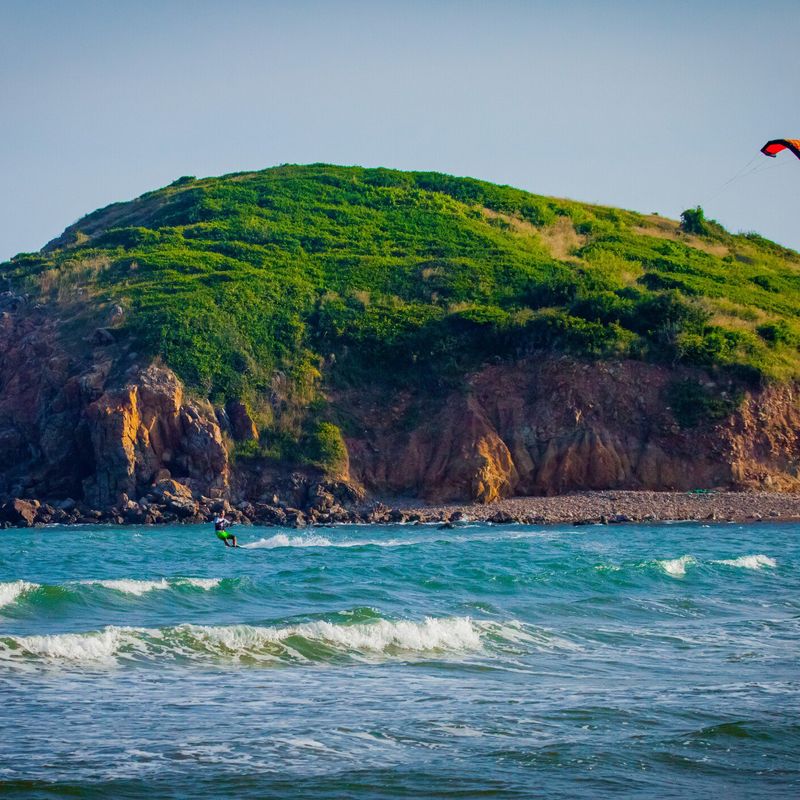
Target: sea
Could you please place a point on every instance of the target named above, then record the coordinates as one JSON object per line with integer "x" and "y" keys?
{"x": 405, "y": 661}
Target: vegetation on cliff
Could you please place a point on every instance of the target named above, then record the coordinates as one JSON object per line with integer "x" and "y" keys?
{"x": 251, "y": 286}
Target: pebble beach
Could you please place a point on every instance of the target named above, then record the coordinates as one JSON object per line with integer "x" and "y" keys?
{"x": 612, "y": 506}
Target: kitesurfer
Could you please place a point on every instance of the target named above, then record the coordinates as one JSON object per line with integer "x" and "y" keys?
{"x": 221, "y": 525}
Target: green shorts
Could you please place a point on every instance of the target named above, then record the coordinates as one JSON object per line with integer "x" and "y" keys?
{"x": 224, "y": 535}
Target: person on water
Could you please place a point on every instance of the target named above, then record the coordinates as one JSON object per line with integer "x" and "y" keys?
{"x": 221, "y": 525}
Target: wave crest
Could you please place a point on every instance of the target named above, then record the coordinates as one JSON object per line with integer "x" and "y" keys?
{"x": 140, "y": 587}
{"x": 318, "y": 641}
{"x": 98, "y": 647}
{"x": 11, "y": 590}
{"x": 676, "y": 567}
{"x": 128, "y": 585}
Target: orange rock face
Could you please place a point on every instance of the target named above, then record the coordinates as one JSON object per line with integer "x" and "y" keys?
{"x": 146, "y": 427}
{"x": 556, "y": 425}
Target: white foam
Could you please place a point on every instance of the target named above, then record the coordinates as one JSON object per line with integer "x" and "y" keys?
{"x": 314, "y": 540}
{"x": 282, "y": 540}
{"x": 449, "y": 634}
{"x": 201, "y": 583}
{"x": 11, "y": 590}
{"x": 676, "y": 567}
{"x": 306, "y": 742}
{"x": 129, "y": 585}
{"x": 749, "y": 562}
{"x": 383, "y": 637}
{"x": 95, "y": 647}
{"x": 464, "y": 731}
{"x": 514, "y": 632}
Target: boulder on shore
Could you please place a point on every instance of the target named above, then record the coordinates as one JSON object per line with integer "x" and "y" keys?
{"x": 19, "y": 512}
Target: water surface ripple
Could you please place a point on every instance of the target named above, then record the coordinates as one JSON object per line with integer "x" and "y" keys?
{"x": 401, "y": 661}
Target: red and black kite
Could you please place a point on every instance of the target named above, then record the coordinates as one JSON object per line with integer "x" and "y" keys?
{"x": 773, "y": 147}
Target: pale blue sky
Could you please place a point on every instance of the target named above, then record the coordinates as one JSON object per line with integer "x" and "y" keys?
{"x": 651, "y": 106}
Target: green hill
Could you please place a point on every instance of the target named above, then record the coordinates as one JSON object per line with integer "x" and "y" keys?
{"x": 256, "y": 285}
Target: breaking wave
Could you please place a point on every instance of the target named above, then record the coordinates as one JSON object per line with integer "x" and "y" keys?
{"x": 11, "y": 590}
{"x": 317, "y": 641}
{"x": 139, "y": 587}
{"x": 676, "y": 567}
{"x": 128, "y": 585}
{"x": 20, "y": 590}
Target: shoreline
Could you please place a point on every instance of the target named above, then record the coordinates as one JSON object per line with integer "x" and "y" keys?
{"x": 577, "y": 508}
{"x": 609, "y": 506}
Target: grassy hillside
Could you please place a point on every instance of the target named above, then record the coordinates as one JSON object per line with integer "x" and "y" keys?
{"x": 251, "y": 285}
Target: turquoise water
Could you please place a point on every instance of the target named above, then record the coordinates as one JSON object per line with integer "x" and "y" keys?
{"x": 405, "y": 661}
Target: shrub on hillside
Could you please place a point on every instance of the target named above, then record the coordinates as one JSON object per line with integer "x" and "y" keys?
{"x": 692, "y": 403}
{"x": 693, "y": 220}
{"x": 325, "y": 447}
{"x": 777, "y": 333}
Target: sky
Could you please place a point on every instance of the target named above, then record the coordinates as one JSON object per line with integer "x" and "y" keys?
{"x": 652, "y": 105}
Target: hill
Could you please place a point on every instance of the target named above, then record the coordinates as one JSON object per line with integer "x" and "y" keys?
{"x": 312, "y": 311}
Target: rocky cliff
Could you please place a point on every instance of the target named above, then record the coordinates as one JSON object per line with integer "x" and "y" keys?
{"x": 84, "y": 438}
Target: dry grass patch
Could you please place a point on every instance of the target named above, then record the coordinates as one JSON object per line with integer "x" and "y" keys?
{"x": 561, "y": 238}
{"x": 515, "y": 224}
{"x": 733, "y": 322}
{"x": 722, "y": 305}
{"x": 662, "y": 228}
{"x": 63, "y": 284}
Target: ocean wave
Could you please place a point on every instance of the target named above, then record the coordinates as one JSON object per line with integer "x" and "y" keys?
{"x": 317, "y": 641}
{"x": 98, "y": 647}
{"x": 380, "y": 636}
{"x": 127, "y": 585}
{"x": 206, "y": 584}
{"x": 748, "y": 562}
{"x": 676, "y": 567}
{"x": 15, "y": 591}
{"x": 140, "y": 587}
{"x": 11, "y": 590}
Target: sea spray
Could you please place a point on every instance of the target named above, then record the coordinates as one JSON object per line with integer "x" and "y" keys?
{"x": 283, "y": 540}
{"x": 280, "y": 540}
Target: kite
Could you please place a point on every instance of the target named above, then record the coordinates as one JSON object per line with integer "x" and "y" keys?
{"x": 774, "y": 146}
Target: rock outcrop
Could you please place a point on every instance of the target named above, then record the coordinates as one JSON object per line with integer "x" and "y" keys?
{"x": 146, "y": 428}
{"x": 71, "y": 427}
{"x": 558, "y": 425}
